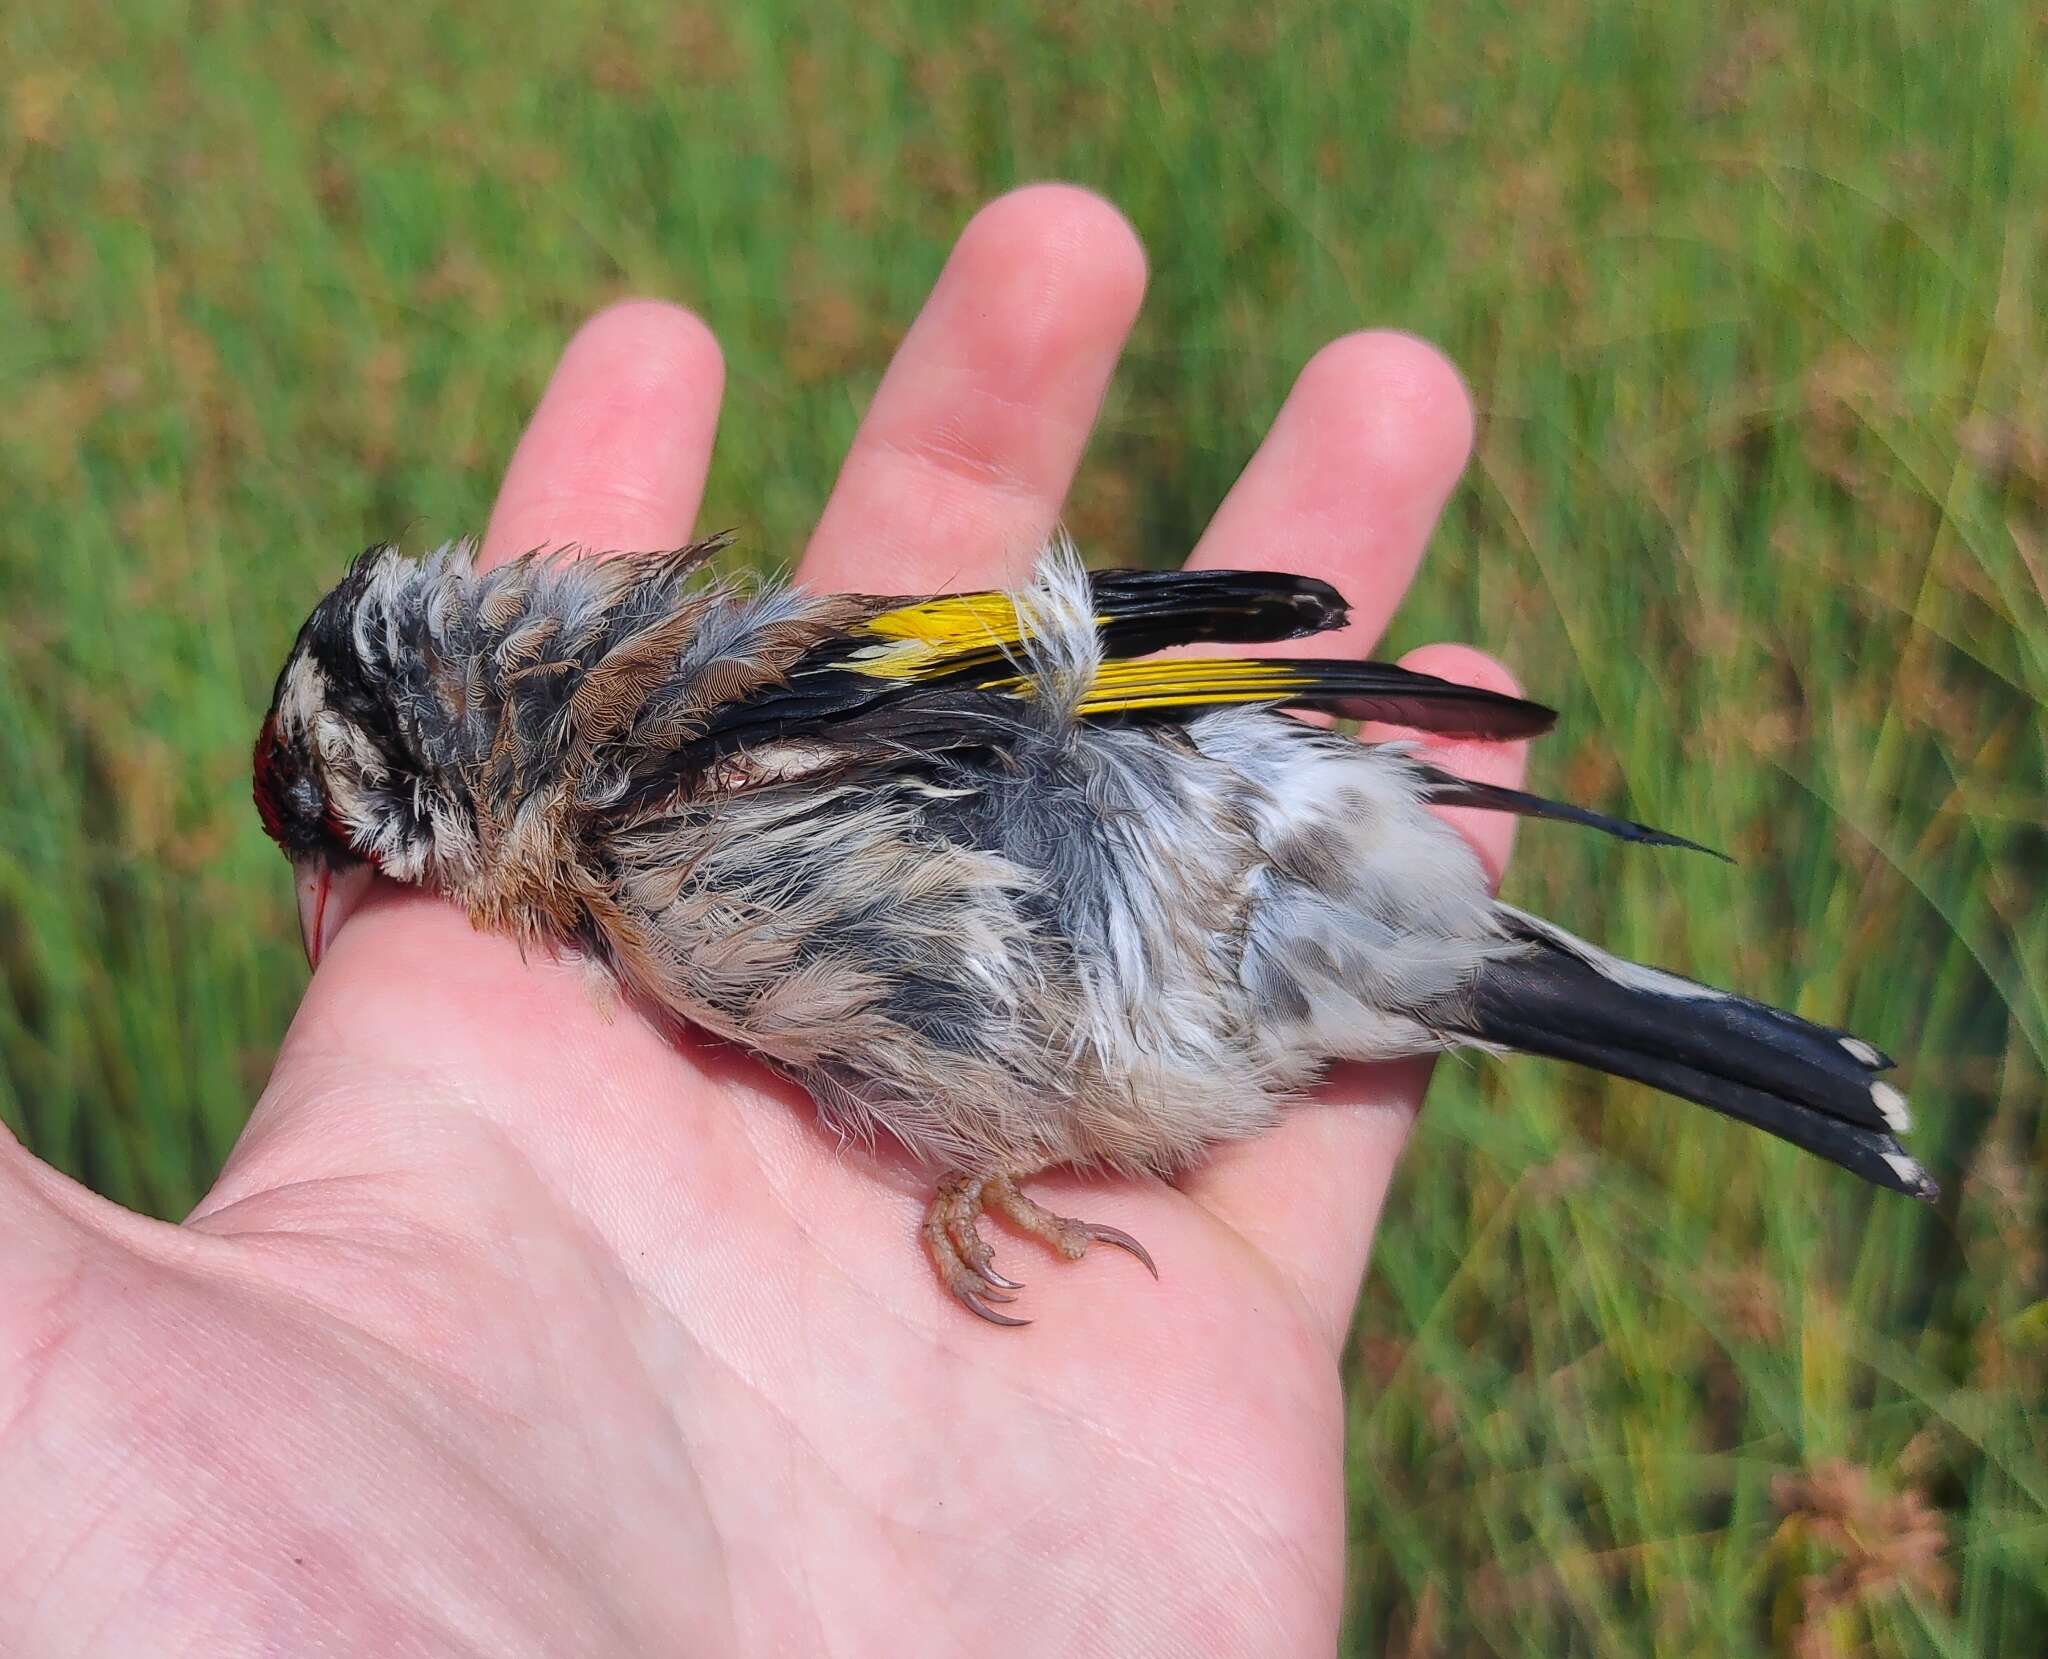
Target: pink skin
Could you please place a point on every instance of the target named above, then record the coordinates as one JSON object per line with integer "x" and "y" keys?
{"x": 514, "y": 1327}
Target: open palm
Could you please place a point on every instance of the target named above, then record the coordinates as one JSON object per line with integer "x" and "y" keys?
{"x": 514, "y": 1326}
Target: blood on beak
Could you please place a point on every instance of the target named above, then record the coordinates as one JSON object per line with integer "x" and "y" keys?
{"x": 327, "y": 894}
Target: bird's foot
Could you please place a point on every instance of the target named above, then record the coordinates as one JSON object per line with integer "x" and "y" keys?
{"x": 961, "y": 1254}
{"x": 966, "y": 1264}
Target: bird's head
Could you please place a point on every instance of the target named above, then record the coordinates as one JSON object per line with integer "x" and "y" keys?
{"x": 332, "y": 779}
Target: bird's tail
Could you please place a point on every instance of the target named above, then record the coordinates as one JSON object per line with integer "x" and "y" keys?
{"x": 1813, "y": 1086}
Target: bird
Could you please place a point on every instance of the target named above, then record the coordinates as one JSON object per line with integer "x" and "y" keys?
{"x": 984, "y": 872}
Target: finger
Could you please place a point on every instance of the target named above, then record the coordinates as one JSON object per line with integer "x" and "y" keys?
{"x": 959, "y": 467}
{"x": 1309, "y": 1195}
{"x": 1348, "y": 483}
{"x": 615, "y": 456}
{"x": 47, "y": 1220}
{"x": 1492, "y": 834}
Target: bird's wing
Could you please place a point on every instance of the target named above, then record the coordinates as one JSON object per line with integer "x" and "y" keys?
{"x": 969, "y": 652}
{"x": 972, "y": 639}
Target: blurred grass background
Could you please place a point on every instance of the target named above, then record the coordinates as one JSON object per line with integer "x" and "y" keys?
{"x": 1752, "y": 304}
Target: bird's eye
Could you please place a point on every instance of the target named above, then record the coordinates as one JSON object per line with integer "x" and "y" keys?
{"x": 287, "y": 790}
{"x": 306, "y": 801}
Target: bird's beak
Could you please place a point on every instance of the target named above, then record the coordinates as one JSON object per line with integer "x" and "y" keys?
{"x": 327, "y": 894}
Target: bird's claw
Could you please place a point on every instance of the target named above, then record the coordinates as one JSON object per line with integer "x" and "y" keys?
{"x": 1122, "y": 1240}
{"x": 977, "y": 1306}
{"x": 952, "y": 1233}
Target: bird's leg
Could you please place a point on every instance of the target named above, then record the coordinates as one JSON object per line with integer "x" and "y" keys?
{"x": 961, "y": 1254}
{"x": 1069, "y": 1237}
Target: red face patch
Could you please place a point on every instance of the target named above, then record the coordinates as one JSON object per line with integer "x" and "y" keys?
{"x": 265, "y": 783}
{"x": 286, "y": 785}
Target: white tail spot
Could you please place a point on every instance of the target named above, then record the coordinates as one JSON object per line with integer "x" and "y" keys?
{"x": 1862, "y": 1052}
{"x": 1897, "y": 1115}
{"x": 1907, "y": 1171}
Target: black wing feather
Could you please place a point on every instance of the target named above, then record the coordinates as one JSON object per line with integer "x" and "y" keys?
{"x": 1149, "y": 610}
{"x": 1447, "y": 789}
{"x": 1380, "y": 691}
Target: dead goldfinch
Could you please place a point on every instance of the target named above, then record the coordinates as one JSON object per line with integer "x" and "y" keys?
{"x": 972, "y": 873}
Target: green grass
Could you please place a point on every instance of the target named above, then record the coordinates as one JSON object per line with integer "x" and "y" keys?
{"x": 1753, "y": 308}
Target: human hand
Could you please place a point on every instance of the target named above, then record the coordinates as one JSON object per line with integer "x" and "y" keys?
{"x": 514, "y": 1326}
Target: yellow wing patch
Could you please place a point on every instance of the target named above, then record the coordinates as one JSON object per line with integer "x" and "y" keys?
{"x": 951, "y": 632}
{"x": 955, "y": 632}
{"x": 952, "y": 619}
{"x": 1177, "y": 682}
{"x": 947, "y": 633}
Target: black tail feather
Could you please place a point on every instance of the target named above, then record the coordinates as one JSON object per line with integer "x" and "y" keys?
{"x": 1805, "y": 1083}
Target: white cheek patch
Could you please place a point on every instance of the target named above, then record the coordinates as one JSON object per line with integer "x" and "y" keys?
{"x": 345, "y": 751}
